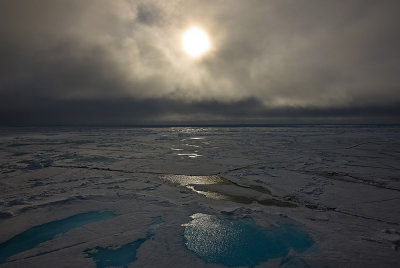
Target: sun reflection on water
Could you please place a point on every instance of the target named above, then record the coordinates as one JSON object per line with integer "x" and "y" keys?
{"x": 241, "y": 242}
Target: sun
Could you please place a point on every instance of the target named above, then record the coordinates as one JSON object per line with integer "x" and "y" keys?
{"x": 195, "y": 42}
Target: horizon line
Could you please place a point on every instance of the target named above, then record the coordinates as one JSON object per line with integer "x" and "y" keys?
{"x": 200, "y": 125}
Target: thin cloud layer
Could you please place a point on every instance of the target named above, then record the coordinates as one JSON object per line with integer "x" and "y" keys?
{"x": 287, "y": 59}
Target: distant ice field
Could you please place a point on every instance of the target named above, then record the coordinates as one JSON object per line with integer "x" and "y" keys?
{"x": 278, "y": 196}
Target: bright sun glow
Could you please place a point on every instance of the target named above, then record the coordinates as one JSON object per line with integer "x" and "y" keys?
{"x": 195, "y": 42}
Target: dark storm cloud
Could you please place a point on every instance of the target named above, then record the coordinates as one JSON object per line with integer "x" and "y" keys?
{"x": 106, "y": 62}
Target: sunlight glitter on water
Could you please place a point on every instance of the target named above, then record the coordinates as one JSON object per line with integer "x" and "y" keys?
{"x": 185, "y": 180}
{"x": 241, "y": 242}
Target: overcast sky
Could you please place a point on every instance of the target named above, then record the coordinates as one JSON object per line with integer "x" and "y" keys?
{"x": 122, "y": 62}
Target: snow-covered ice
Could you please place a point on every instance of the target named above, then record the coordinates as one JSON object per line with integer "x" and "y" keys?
{"x": 170, "y": 188}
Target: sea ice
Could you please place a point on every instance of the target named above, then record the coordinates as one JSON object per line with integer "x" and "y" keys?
{"x": 337, "y": 186}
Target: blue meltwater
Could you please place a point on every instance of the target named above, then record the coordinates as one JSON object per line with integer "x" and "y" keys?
{"x": 241, "y": 242}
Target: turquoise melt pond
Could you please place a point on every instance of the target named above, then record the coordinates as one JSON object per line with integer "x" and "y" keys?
{"x": 42, "y": 233}
{"x": 241, "y": 242}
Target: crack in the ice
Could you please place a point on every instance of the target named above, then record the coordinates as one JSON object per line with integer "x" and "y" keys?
{"x": 377, "y": 201}
{"x": 239, "y": 168}
{"x": 109, "y": 169}
{"x": 363, "y": 143}
{"x": 352, "y": 179}
{"x": 49, "y": 251}
{"x": 387, "y": 167}
{"x": 365, "y": 217}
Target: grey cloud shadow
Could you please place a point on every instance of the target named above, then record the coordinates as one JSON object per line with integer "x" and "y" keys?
{"x": 166, "y": 111}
